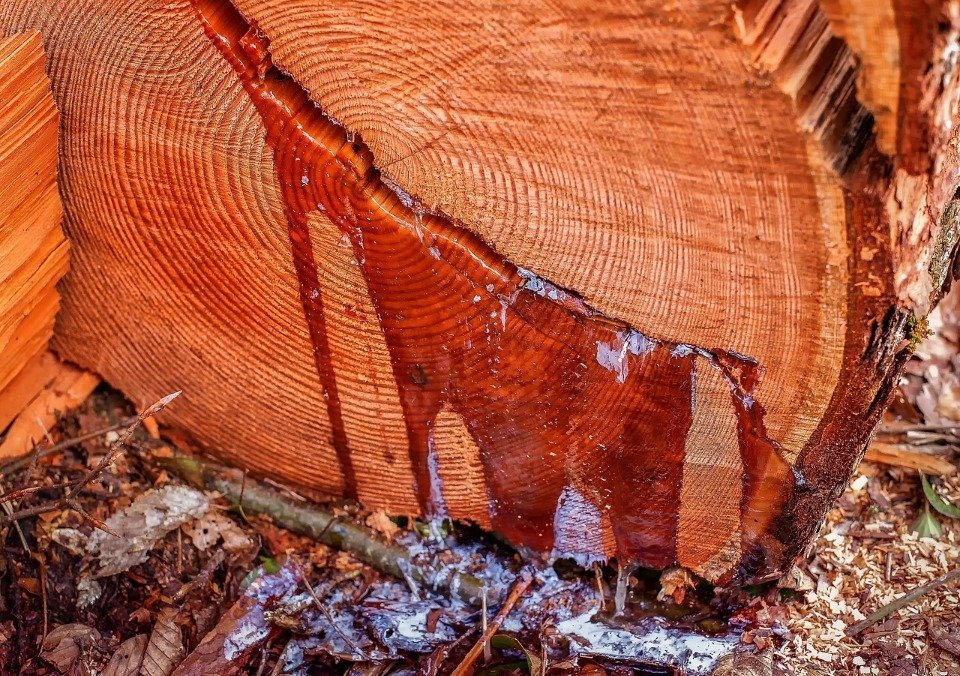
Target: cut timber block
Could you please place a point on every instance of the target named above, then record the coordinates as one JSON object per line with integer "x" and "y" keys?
{"x": 33, "y": 250}
{"x": 68, "y": 387}
{"x": 613, "y": 279}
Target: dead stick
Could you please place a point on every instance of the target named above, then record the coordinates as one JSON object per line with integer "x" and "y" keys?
{"x": 517, "y": 590}
{"x": 69, "y": 498}
{"x": 326, "y": 613}
{"x": 901, "y": 602}
{"x": 40, "y": 452}
{"x": 322, "y": 525}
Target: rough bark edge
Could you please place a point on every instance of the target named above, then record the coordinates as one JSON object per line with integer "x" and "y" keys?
{"x": 898, "y": 208}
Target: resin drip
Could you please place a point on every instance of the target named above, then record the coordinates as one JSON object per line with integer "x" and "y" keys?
{"x": 555, "y": 395}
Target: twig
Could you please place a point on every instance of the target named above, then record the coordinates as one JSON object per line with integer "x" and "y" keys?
{"x": 918, "y": 428}
{"x": 598, "y": 576}
{"x": 203, "y": 577}
{"x": 439, "y": 656}
{"x": 324, "y": 526}
{"x": 40, "y": 452}
{"x": 484, "y": 610}
{"x": 9, "y": 509}
{"x": 517, "y": 590}
{"x": 902, "y": 455}
{"x": 43, "y": 591}
{"x": 264, "y": 654}
{"x": 901, "y": 602}
{"x": 69, "y": 498}
{"x": 278, "y": 666}
{"x": 326, "y": 613}
{"x": 19, "y": 624}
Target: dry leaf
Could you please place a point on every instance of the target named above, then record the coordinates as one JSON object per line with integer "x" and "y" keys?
{"x": 213, "y": 527}
{"x": 380, "y": 522}
{"x": 674, "y": 583}
{"x": 944, "y": 638}
{"x": 63, "y": 646}
{"x": 227, "y": 647}
{"x": 139, "y": 526}
{"x": 127, "y": 659}
{"x": 165, "y": 649}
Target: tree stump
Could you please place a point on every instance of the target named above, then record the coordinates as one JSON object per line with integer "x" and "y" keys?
{"x": 611, "y": 279}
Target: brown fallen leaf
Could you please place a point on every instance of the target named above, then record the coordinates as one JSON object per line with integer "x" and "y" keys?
{"x": 213, "y": 527}
{"x": 943, "y": 638}
{"x": 138, "y": 527}
{"x": 64, "y": 646}
{"x": 380, "y": 522}
{"x": 674, "y": 583}
{"x": 165, "y": 649}
{"x": 128, "y": 657}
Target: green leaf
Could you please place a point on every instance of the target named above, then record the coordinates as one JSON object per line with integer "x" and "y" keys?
{"x": 268, "y": 566}
{"x": 534, "y": 663}
{"x": 926, "y": 525}
{"x": 937, "y": 502}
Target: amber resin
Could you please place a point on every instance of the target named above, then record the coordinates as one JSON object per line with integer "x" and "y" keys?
{"x": 595, "y": 412}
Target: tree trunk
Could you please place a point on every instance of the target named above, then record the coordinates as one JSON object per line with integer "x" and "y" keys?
{"x": 612, "y": 279}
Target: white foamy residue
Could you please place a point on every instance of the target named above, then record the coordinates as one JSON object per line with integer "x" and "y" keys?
{"x": 247, "y": 633}
{"x": 693, "y": 653}
{"x": 614, "y": 356}
{"x": 413, "y": 626}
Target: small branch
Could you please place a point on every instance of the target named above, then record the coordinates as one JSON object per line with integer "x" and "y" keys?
{"x": 326, "y": 613}
{"x": 322, "y": 525}
{"x": 519, "y": 587}
{"x": 902, "y": 602}
{"x": 902, "y": 429}
{"x": 203, "y": 577}
{"x": 40, "y": 452}
{"x": 69, "y": 497}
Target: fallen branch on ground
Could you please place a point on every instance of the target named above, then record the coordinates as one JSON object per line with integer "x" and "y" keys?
{"x": 902, "y": 602}
{"x": 900, "y": 455}
{"x": 253, "y": 497}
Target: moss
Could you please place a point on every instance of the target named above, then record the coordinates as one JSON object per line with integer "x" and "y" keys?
{"x": 940, "y": 261}
{"x": 918, "y": 329}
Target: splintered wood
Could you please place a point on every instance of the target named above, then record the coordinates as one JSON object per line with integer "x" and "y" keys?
{"x": 33, "y": 251}
{"x": 612, "y": 279}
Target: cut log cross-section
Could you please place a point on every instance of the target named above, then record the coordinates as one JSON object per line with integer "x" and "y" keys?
{"x": 611, "y": 279}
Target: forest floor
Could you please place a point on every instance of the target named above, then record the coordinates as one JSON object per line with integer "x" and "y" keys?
{"x": 118, "y": 559}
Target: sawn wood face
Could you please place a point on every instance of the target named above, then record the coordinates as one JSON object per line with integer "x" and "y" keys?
{"x": 581, "y": 421}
